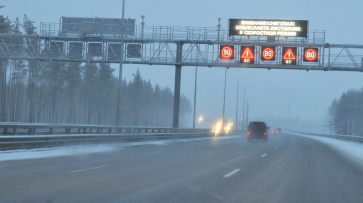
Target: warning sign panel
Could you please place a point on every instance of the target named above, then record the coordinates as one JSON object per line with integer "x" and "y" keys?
{"x": 247, "y": 54}
{"x": 289, "y": 55}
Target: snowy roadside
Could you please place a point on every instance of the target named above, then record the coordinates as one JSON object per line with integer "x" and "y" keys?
{"x": 40, "y": 153}
{"x": 350, "y": 150}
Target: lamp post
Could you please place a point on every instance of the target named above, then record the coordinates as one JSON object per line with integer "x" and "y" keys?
{"x": 244, "y": 101}
{"x": 237, "y": 79}
{"x": 248, "y": 106}
{"x": 224, "y": 98}
{"x": 118, "y": 121}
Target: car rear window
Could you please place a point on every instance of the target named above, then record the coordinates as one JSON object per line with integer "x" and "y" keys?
{"x": 258, "y": 125}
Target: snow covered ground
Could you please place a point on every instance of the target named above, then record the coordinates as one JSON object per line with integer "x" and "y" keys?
{"x": 350, "y": 150}
{"x": 39, "y": 153}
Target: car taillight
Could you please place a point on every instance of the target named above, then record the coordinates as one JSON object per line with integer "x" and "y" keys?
{"x": 264, "y": 133}
{"x": 277, "y": 131}
{"x": 248, "y": 133}
{"x": 272, "y": 131}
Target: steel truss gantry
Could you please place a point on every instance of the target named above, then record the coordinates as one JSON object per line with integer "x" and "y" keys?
{"x": 175, "y": 46}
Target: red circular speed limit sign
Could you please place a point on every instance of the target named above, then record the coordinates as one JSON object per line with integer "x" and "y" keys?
{"x": 268, "y": 53}
{"x": 226, "y": 52}
{"x": 311, "y": 54}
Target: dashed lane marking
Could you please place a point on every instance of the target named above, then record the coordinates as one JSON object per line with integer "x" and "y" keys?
{"x": 231, "y": 173}
{"x": 263, "y": 155}
{"x": 86, "y": 169}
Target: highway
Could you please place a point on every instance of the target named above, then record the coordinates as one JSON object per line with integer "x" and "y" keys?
{"x": 288, "y": 168}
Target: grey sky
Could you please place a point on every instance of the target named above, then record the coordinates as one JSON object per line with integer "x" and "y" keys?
{"x": 308, "y": 93}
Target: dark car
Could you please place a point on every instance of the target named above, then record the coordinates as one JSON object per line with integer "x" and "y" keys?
{"x": 278, "y": 130}
{"x": 257, "y": 130}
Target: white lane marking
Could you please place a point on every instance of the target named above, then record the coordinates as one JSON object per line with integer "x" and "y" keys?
{"x": 86, "y": 169}
{"x": 275, "y": 147}
{"x": 231, "y": 173}
{"x": 263, "y": 155}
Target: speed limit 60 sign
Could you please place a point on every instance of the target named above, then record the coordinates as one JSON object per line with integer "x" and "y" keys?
{"x": 227, "y": 52}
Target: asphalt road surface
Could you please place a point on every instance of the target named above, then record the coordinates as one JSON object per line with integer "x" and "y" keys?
{"x": 288, "y": 168}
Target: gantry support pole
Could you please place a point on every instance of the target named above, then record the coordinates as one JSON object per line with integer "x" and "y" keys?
{"x": 178, "y": 67}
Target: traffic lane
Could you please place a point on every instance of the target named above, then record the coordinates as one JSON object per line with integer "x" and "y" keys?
{"x": 302, "y": 171}
{"x": 129, "y": 170}
{"x": 208, "y": 185}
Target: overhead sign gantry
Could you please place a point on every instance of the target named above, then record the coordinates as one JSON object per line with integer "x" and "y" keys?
{"x": 250, "y": 43}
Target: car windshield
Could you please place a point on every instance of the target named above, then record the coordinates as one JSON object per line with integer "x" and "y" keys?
{"x": 181, "y": 101}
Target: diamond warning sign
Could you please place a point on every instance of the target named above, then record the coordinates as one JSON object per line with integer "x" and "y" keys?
{"x": 289, "y": 55}
{"x": 247, "y": 54}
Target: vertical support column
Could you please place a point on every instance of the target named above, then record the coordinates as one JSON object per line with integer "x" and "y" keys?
{"x": 327, "y": 45}
{"x": 118, "y": 108}
{"x": 219, "y": 28}
{"x": 142, "y": 27}
{"x": 195, "y": 94}
{"x": 178, "y": 67}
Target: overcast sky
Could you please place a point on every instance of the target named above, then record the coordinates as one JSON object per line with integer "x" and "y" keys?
{"x": 308, "y": 93}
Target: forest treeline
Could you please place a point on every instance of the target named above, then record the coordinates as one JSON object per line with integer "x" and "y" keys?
{"x": 345, "y": 115}
{"x": 78, "y": 93}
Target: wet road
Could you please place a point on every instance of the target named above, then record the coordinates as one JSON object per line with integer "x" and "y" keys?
{"x": 288, "y": 168}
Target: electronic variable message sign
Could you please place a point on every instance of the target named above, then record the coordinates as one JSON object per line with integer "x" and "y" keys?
{"x": 289, "y": 55}
{"x": 311, "y": 55}
{"x": 247, "y": 54}
{"x": 268, "y": 53}
{"x": 255, "y": 27}
{"x": 226, "y": 52}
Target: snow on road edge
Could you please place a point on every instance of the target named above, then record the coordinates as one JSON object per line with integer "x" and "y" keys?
{"x": 40, "y": 153}
{"x": 350, "y": 150}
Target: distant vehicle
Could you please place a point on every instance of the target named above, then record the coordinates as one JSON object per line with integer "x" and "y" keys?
{"x": 278, "y": 130}
{"x": 257, "y": 130}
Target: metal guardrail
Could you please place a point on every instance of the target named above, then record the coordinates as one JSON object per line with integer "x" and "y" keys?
{"x": 335, "y": 136}
{"x": 25, "y": 136}
{"x": 49, "y": 129}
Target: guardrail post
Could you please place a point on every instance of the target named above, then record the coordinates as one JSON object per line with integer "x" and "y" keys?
{"x": 31, "y": 131}
{"x": 50, "y": 130}
{"x": 5, "y": 131}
